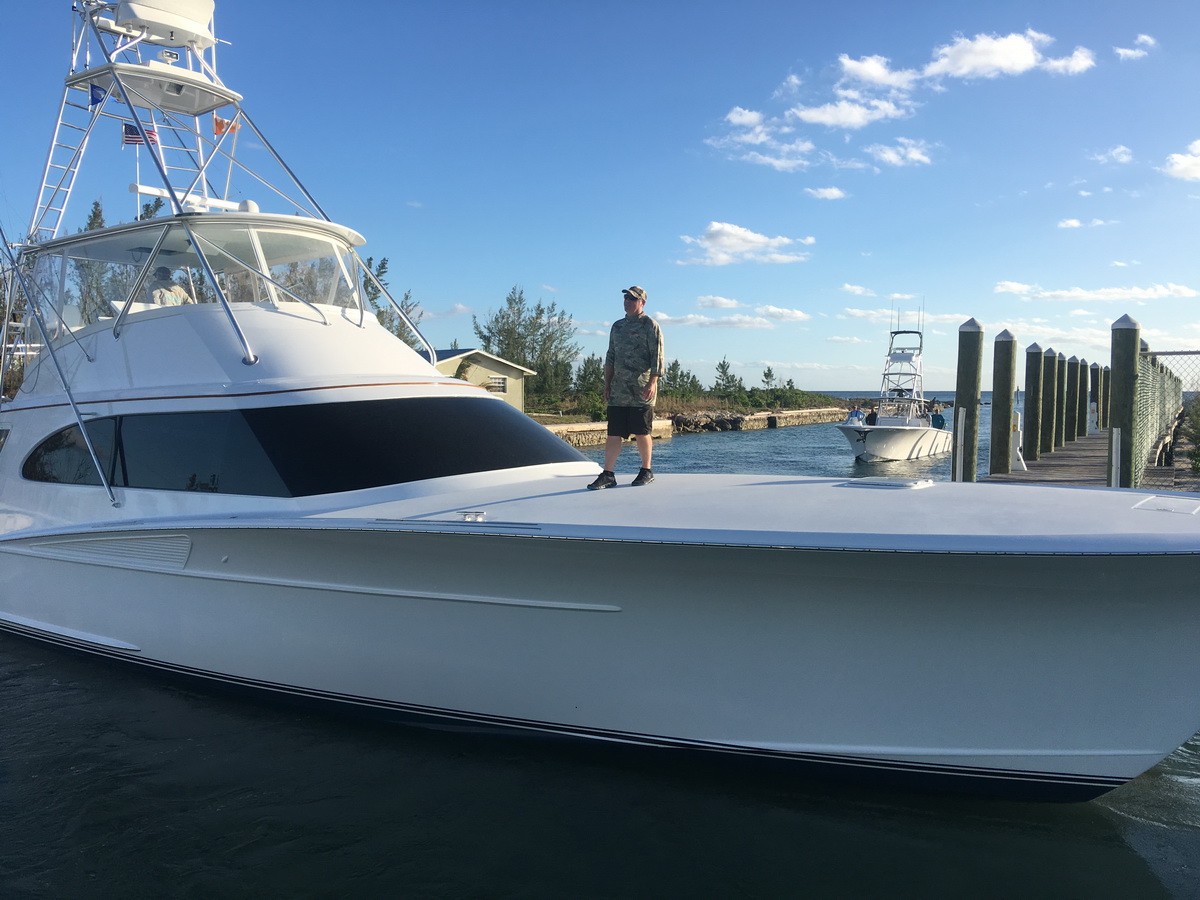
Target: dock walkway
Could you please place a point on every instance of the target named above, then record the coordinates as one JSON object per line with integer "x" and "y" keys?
{"x": 1085, "y": 462}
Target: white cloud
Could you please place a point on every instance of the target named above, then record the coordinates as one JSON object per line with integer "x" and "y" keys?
{"x": 1118, "y": 154}
{"x": 906, "y": 152}
{"x": 1079, "y": 61}
{"x": 1143, "y": 42}
{"x": 848, "y": 114}
{"x": 711, "y": 301}
{"x": 1080, "y": 312}
{"x": 829, "y": 193}
{"x": 724, "y": 243}
{"x": 858, "y": 289}
{"x": 1085, "y": 193}
{"x": 697, "y": 321}
{"x": 789, "y": 88}
{"x": 990, "y": 56}
{"x": 1070, "y": 223}
{"x": 877, "y": 70}
{"x": 456, "y": 309}
{"x": 1124, "y": 53}
{"x": 743, "y": 118}
{"x": 1015, "y": 287}
{"x": 901, "y": 296}
{"x": 1154, "y": 292}
{"x": 1184, "y": 165}
{"x": 836, "y": 339}
{"x": 1098, "y": 295}
{"x": 782, "y": 315}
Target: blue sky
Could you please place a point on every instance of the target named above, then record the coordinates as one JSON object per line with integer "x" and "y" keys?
{"x": 780, "y": 177}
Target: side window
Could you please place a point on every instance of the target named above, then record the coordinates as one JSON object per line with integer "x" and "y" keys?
{"x": 3, "y": 437}
{"x": 63, "y": 457}
{"x": 210, "y": 452}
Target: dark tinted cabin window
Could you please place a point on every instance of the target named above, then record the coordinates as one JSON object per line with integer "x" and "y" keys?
{"x": 298, "y": 451}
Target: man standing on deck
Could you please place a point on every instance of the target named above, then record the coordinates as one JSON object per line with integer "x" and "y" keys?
{"x": 632, "y": 367}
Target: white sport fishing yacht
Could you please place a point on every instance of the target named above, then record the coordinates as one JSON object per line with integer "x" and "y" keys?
{"x": 232, "y": 471}
{"x": 905, "y": 426}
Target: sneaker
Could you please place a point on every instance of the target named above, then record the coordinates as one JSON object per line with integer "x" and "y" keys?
{"x": 606, "y": 479}
{"x": 645, "y": 476}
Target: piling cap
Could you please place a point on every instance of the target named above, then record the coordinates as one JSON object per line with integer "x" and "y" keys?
{"x": 972, "y": 324}
{"x": 1074, "y": 360}
{"x": 1125, "y": 322}
{"x": 1005, "y": 335}
{"x": 1050, "y": 351}
{"x": 1034, "y": 348}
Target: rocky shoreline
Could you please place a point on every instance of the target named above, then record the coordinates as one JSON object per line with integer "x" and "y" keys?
{"x": 590, "y": 434}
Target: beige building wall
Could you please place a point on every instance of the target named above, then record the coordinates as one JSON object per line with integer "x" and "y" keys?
{"x": 499, "y": 376}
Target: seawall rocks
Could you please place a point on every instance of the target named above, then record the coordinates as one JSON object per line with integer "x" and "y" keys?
{"x": 590, "y": 434}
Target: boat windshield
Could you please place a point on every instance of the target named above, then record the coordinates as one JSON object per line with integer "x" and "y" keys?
{"x": 92, "y": 277}
{"x": 300, "y": 451}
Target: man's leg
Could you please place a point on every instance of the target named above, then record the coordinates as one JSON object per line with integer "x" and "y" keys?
{"x": 612, "y": 449}
{"x": 645, "y": 448}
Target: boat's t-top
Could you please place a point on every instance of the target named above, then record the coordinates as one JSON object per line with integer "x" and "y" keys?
{"x": 210, "y": 222}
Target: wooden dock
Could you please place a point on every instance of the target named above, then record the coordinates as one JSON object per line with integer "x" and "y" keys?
{"x": 1085, "y": 462}
{"x": 1082, "y": 461}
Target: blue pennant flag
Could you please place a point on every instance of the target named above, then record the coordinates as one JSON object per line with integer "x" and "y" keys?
{"x": 97, "y": 94}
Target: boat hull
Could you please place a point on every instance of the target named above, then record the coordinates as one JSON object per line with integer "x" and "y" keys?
{"x": 953, "y": 678}
{"x": 877, "y": 443}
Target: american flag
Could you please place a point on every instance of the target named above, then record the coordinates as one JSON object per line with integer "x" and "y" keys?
{"x": 130, "y": 135}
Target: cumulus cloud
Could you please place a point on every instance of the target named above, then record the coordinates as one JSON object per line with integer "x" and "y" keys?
{"x": 697, "y": 321}
{"x": 724, "y": 244}
{"x": 711, "y": 301}
{"x": 1184, "y": 165}
{"x": 849, "y": 113}
{"x": 1142, "y": 46}
{"x": 901, "y": 296}
{"x": 744, "y": 118}
{"x": 789, "y": 88}
{"x": 782, "y": 315}
{"x": 1118, "y": 154}
{"x": 838, "y": 339}
{"x": 990, "y": 56}
{"x": 1097, "y": 295}
{"x": 829, "y": 193}
{"x": 871, "y": 89}
{"x": 1015, "y": 287}
{"x": 876, "y": 70}
{"x": 905, "y": 152}
{"x": 1070, "y": 223}
{"x": 858, "y": 289}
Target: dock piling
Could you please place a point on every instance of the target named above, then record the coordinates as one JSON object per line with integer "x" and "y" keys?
{"x": 967, "y": 401}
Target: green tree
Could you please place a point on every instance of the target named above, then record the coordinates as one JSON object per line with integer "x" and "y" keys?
{"x": 589, "y": 377}
{"x": 539, "y": 337}
{"x": 769, "y": 378}
{"x": 727, "y": 384}
{"x": 679, "y": 382}
{"x": 151, "y": 209}
{"x": 385, "y": 312}
{"x": 91, "y": 277}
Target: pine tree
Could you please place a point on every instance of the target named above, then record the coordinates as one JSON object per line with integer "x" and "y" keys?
{"x": 539, "y": 337}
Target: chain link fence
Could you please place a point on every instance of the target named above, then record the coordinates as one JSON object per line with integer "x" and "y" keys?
{"x": 1167, "y": 381}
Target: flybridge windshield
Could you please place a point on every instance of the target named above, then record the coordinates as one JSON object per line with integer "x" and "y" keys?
{"x": 94, "y": 278}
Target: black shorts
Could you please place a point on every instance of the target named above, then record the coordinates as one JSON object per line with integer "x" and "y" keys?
{"x": 626, "y": 420}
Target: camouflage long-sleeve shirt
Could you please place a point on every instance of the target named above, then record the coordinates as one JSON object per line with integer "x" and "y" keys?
{"x": 635, "y": 352}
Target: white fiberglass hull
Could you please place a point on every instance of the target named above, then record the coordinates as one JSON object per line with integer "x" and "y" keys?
{"x": 972, "y": 670}
{"x": 874, "y": 443}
